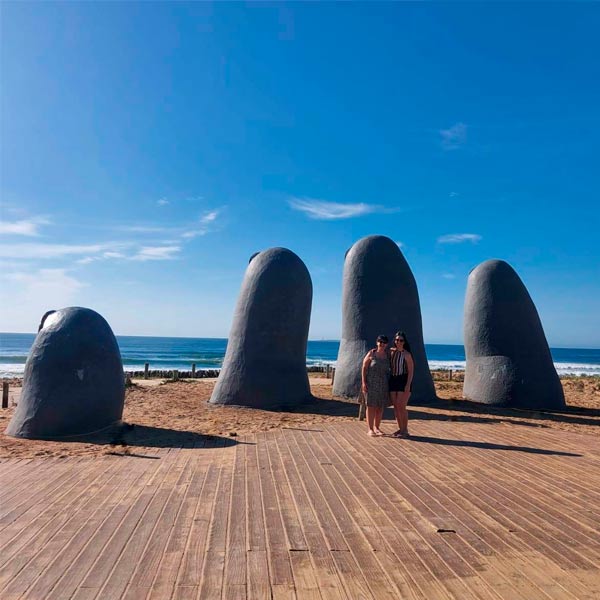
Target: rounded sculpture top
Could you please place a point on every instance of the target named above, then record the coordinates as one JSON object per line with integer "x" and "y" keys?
{"x": 379, "y": 296}
{"x": 508, "y": 359}
{"x": 376, "y": 277}
{"x": 500, "y": 316}
{"x": 275, "y": 297}
{"x": 265, "y": 361}
{"x": 73, "y": 382}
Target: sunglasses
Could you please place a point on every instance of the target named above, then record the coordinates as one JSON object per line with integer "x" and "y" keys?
{"x": 399, "y": 340}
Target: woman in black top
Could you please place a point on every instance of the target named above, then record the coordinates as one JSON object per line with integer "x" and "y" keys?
{"x": 403, "y": 368}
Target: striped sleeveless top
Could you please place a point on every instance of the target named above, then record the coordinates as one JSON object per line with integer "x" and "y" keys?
{"x": 398, "y": 363}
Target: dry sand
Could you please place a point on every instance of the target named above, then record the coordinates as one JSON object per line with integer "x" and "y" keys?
{"x": 178, "y": 413}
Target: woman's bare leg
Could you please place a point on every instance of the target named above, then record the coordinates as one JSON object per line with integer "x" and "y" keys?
{"x": 370, "y": 419}
{"x": 401, "y": 411}
{"x": 395, "y": 398}
{"x": 377, "y": 420}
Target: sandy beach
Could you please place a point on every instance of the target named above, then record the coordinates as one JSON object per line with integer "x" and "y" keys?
{"x": 166, "y": 413}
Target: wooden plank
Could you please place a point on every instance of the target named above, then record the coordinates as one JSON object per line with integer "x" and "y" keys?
{"x": 68, "y": 556}
{"x": 37, "y": 561}
{"x": 280, "y": 568}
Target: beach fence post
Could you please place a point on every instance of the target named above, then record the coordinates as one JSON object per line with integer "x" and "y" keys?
{"x": 332, "y": 375}
{"x": 175, "y": 375}
{"x": 146, "y": 367}
{"x": 328, "y": 371}
{"x": 361, "y": 411}
{"x": 5, "y": 394}
{"x": 450, "y": 375}
{"x": 193, "y": 370}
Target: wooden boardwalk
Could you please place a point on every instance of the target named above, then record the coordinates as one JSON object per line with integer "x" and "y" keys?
{"x": 463, "y": 510}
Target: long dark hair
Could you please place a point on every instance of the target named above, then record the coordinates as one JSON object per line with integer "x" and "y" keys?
{"x": 402, "y": 335}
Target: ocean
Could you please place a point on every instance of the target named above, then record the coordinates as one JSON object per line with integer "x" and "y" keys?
{"x": 164, "y": 353}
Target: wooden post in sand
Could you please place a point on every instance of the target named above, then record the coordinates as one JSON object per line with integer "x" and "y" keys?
{"x": 146, "y": 367}
{"x": 332, "y": 375}
{"x": 5, "y": 394}
{"x": 328, "y": 371}
{"x": 361, "y": 411}
{"x": 193, "y": 370}
{"x": 450, "y": 375}
{"x": 175, "y": 374}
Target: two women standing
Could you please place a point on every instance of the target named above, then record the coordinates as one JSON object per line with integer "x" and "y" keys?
{"x": 387, "y": 379}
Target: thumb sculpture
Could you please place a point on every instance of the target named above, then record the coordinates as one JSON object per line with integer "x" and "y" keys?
{"x": 379, "y": 296}
{"x": 508, "y": 359}
{"x": 265, "y": 361}
{"x": 73, "y": 383}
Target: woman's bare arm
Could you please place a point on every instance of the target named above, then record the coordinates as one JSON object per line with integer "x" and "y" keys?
{"x": 365, "y": 368}
{"x": 410, "y": 366}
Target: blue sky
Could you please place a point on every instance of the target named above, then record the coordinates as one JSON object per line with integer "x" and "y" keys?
{"x": 149, "y": 149}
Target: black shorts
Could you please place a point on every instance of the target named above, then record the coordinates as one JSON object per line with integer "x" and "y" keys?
{"x": 398, "y": 383}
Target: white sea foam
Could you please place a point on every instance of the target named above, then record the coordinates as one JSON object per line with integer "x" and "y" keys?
{"x": 16, "y": 370}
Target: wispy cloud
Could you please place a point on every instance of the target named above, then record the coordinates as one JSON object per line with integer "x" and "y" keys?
{"x": 45, "y": 251}
{"x": 329, "y": 211}
{"x": 453, "y": 194}
{"x": 146, "y": 229}
{"x": 454, "y": 137}
{"x": 26, "y": 227}
{"x": 449, "y": 276}
{"x": 104, "y": 256}
{"x": 156, "y": 253}
{"x": 162, "y": 202}
{"x": 207, "y": 223}
{"x": 459, "y": 238}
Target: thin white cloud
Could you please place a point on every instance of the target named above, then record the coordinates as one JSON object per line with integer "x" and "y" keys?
{"x": 454, "y": 137}
{"x": 330, "y": 211}
{"x": 104, "y": 256}
{"x": 87, "y": 260}
{"x": 26, "y": 227}
{"x": 209, "y": 217}
{"x": 207, "y": 222}
{"x": 459, "y": 238}
{"x": 156, "y": 253}
{"x": 449, "y": 276}
{"x": 162, "y": 202}
{"x": 453, "y": 194}
{"x": 45, "y": 251}
{"x": 146, "y": 229}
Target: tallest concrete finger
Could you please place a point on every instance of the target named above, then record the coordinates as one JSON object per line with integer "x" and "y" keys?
{"x": 379, "y": 296}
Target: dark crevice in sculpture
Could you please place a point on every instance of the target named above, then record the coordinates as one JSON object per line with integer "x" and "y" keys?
{"x": 508, "y": 358}
{"x": 379, "y": 296}
{"x": 265, "y": 361}
{"x": 73, "y": 383}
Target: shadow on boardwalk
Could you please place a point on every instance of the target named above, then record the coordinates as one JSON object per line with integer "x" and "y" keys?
{"x": 129, "y": 435}
{"x": 461, "y": 411}
{"x": 488, "y": 446}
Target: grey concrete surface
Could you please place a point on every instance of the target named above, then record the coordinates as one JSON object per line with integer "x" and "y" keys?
{"x": 265, "y": 361}
{"x": 73, "y": 383}
{"x": 508, "y": 358}
{"x": 379, "y": 296}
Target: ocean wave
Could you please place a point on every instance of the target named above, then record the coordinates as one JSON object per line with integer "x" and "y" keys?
{"x": 13, "y": 369}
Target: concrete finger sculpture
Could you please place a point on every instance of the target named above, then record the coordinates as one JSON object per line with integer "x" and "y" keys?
{"x": 73, "y": 383}
{"x": 265, "y": 361}
{"x": 379, "y": 296}
{"x": 508, "y": 358}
